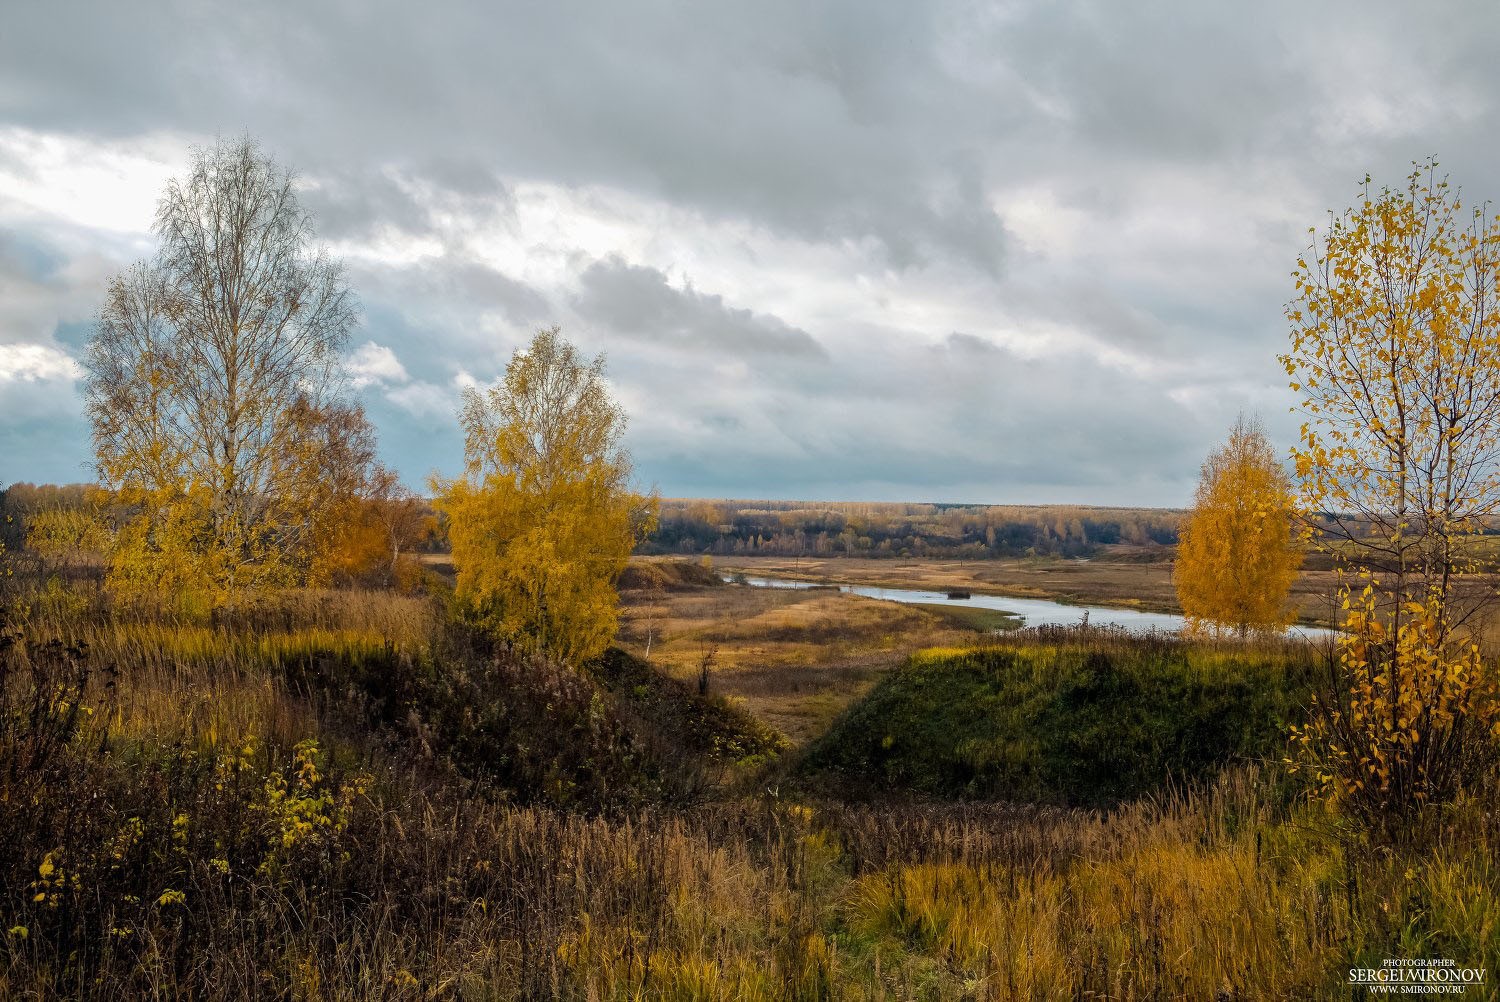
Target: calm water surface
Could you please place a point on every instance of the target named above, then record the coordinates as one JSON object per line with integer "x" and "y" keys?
{"x": 1032, "y": 611}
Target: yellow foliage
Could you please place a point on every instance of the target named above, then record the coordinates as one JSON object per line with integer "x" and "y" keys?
{"x": 356, "y": 544}
{"x": 171, "y": 542}
{"x": 1236, "y": 561}
{"x": 64, "y": 536}
{"x": 543, "y": 521}
{"x": 213, "y": 389}
{"x": 1395, "y": 350}
{"x": 1413, "y": 711}
{"x": 304, "y": 811}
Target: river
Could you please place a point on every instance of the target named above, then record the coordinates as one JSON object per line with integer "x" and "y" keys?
{"x": 1031, "y": 611}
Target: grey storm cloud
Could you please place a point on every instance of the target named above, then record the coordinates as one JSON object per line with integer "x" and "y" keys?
{"x": 352, "y": 203}
{"x": 1017, "y": 251}
{"x": 961, "y": 430}
{"x": 453, "y": 284}
{"x": 638, "y": 302}
{"x": 839, "y": 121}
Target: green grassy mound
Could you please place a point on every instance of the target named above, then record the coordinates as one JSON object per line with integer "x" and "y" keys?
{"x": 704, "y": 727}
{"x": 1084, "y": 723}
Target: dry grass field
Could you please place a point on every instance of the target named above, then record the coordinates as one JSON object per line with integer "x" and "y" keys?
{"x": 793, "y": 658}
{"x": 343, "y": 795}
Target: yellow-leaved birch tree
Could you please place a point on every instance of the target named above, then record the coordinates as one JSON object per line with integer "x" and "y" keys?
{"x": 213, "y": 389}
{"x": 1395, "y": 351}
{"x": 1237, "y": 558}
{"x": 543, "y": 520}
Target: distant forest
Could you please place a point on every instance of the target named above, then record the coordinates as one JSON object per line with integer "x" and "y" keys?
{"x": 800, "y": 528}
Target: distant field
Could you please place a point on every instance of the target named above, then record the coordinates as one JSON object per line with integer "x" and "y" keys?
{"x": 794, "y": 659}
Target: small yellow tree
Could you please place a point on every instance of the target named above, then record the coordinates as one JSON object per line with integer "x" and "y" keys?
{"x": 1412, "y": 719}
{"x": 1395, "y": 350}
{"x": 543, "y": 520}
{"x": 1236, "y": 560}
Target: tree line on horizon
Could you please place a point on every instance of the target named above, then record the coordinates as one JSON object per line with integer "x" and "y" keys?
{"x": 874, "y": 529}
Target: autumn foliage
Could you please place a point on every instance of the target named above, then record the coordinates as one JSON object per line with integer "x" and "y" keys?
{"x": 1395, "y": 350}
{"x": 1413, "y": 721}
{"x": 1237, "y": 560}
{"x": 232, "y": 460}
{"x": 543, "y": 520}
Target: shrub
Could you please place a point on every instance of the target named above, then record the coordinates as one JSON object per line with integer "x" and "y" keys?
{"x": 1411, "y": 717}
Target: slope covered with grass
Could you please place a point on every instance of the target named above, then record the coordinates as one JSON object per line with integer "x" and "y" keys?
{"x": 1084, "y": 720}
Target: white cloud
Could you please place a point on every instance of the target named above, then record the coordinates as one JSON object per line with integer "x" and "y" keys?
{"x": 373, "y": 363}
{"x": 104, "y": 185}
{"x": 36, "y": 363}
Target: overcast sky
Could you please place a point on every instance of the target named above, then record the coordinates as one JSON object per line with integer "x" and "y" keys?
{"x": 1031, "y": 252}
